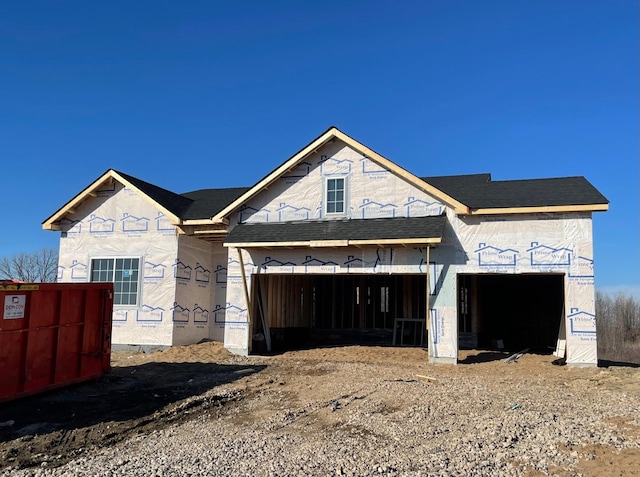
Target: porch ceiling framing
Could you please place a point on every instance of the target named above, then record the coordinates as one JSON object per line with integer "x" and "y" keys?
{"x": 380, "y": 243}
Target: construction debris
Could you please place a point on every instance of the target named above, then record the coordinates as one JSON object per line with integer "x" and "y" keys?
{"x": 428, "y": 378}
{"x": 516, "y": 356}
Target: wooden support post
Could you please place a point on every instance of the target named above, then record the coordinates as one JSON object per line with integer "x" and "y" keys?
{"x": 246, "y": 298}
{"x": 263, "y": 309}
{"x": 427, "y": 314}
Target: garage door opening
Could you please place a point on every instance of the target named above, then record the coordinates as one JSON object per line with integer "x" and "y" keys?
{"x": 510, "y": 312}
{"x": 304, "y": 311}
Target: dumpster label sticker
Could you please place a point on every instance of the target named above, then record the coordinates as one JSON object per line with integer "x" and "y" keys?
{"x": 14, "y": 306}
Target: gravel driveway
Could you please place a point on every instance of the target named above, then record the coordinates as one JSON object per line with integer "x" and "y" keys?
{"x": 360, "y": 411}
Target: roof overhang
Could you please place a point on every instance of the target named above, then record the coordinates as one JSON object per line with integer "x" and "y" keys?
{"x": 416, "y": 242}
{"x": 534, "y": 210}
{"x": 391, "y": 232}
{"x": 53, "y": 222}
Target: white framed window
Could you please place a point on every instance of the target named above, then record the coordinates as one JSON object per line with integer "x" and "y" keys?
{"x": 335, "y": 195}
{"x": 125, "y": 275}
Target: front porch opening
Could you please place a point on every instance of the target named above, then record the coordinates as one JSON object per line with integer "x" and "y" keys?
{"x": 327, "y": 310}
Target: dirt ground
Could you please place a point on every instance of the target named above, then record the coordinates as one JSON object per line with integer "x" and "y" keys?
{"x": 147, "y": 392}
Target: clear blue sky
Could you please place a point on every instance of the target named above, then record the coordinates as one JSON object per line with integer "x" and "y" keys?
{"x": 200, "y": 94}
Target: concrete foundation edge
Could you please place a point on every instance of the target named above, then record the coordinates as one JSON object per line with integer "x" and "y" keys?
{"x": 238, "y": 351}
{"x": 138, "y": 348}
{"x": 434, "y": 360}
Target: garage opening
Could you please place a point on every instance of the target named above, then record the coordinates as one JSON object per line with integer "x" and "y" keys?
{"x": 327, "y": 310}
{"x": 510, "y": 312}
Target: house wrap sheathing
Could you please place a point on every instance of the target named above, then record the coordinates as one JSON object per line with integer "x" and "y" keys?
{"x": 340, "y": 241}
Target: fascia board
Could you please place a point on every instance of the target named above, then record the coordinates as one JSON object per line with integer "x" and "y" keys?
{"x": 196, "y": 222}
{"x": 410, "y": 241}
{"x": 51, "y": 222}
{"x": 544, "y": 209}
{"x": 335, "y": 243}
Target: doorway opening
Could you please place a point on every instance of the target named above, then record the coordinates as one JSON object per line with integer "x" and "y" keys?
{"x": 328, "y": 310}
{"x": 510, "y": 312}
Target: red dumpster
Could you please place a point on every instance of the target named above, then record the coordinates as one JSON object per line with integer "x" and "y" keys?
{"x": 52, "y": 335}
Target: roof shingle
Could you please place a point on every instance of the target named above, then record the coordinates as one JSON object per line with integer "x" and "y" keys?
{"x": 357, "y": 229}
{"x": 486, "y": 194}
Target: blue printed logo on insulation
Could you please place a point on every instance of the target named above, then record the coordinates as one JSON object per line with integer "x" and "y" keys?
{"x": 121, "y": 315}
{"x": 298, "y": 172}
{"x": 371, "y": 209}
{"x": 372, "y": 168}
{"x": 582, "y": 267}
{"x": 150, "y": 313}
{"x": 318, "y": 265}
{"x": 251, "y": 214}
{"x": 421, "y": 208}
{"x": 276, "y": 266}
{"x": 101, "y": 225}
{"x": 182, "y": 271}
{"x": 221, "y": 276}
{"x": 153, "y": 270}
{"x": 180, "y": 313}
{"x": 490, "y": 256}
{"x": 287, "y": 212}
{"x": 544, "y": 255}
{"x": 582, "y": 322}
{"x": 131, "y": 223}
{"x": 163, "y": 224}
{"x": 202, "y": 274}
{"x": 78, "y": 270}
{"x": 71, "y": 227}
{"x": 331, "y": 165}
{"x": 230, "y": 314}
{"x": 200, "y": 315}
{"x": 233, "y": 268}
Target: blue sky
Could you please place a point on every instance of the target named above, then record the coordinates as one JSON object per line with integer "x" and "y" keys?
{"x": 199, "y": 94}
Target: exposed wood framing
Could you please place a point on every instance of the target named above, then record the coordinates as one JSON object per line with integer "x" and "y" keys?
{"x": 339, "y": 243}
{"x": 209, "y": 232}
{"x": 262, "y": 309}
{"x": 546, "y": 209}
{"x": 205, "y": 221}
{"x": 427, "y": 313}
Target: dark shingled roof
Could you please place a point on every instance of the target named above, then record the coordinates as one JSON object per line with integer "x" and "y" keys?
{"x": 442, "y": 182}
{"x": 208, "y": 202}
{"x": 478, "y": 191}
{"x": 173, "y": 202}
{"x": 356, "y": 229}
{"x": 199, "y": 204}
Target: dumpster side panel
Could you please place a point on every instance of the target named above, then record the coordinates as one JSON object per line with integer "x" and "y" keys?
{"x": 52, "y": 335}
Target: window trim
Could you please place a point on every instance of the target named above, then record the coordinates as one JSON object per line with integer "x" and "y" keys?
{"x": 114, "y": 258}
{"x": 345, "y": 198}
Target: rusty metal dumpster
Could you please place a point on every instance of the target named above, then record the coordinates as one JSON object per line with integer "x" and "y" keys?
{"x": 53, "y": 335}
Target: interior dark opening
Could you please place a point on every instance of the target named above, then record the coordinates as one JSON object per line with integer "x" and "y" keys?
{"x": 515, "y": 311}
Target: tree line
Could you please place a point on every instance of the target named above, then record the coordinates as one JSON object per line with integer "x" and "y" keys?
{"x": 35, "y": 267}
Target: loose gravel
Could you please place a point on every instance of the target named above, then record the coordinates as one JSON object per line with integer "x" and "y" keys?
{"x": 309, "y": 415}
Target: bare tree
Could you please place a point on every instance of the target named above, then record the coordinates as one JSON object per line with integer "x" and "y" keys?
{"x": 38, "y": 266}
{"x": 618, "y": 321}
